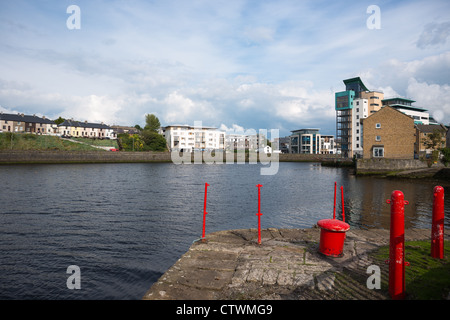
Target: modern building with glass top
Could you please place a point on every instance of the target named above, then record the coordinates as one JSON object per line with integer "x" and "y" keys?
{"x": 357, "y": 102}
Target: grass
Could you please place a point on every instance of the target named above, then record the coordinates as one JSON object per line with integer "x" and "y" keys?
{"x": 426, "y": 278}
{"x": 98, "y": 142}
{"x": 14, "y": 141}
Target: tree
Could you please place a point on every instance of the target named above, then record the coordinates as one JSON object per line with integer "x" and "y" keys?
{"x": 59, "y": 120}
{"x": 154, "y": 141}
{"x": 152, "y": 123}
{"x": 434, "y": 140}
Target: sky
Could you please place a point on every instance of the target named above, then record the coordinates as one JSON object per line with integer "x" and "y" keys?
{"x": 235, "y": 64}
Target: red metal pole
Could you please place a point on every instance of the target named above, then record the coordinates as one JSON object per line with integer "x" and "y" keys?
{"x": 437, "y": 227}
{"x": 334, "y": 207}
{"x": 259, "y": 214}
{"x": 204, "y": 210}
{"x": 397, "y": 246}
{"x": 342, "y": 196}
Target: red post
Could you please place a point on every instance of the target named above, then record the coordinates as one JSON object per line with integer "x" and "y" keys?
{"x": 204, "y": 211}
{"x": 397, "y": 246}
{"x": 334, "y": 207}
{"x": 437, "y": 227}
{"x": 259, "y": 214}
{"x": 342, "y": 197}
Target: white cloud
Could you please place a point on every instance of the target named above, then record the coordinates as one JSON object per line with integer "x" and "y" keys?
{"x": 434, "y": 97}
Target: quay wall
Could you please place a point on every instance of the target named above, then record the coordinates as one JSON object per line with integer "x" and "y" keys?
{"x": 386, "y": 165}
{"x": 35, "y": 156}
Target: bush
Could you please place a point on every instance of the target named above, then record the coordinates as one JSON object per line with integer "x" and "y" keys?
{"x": 445, "y": 156}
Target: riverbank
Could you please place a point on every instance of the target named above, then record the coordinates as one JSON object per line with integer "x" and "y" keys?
{"x": 101, "y": 156}
{"x": 231, "y": 265}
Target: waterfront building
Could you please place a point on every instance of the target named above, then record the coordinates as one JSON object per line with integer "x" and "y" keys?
{"x": 388, "y": 133}
{"x": 305, "y": 141}
{"x": 193, "y": 138}
{"x": 355, "y": 103}
{"x": 420, "y": 115}
{"x": 327, "y": 144}
{"x": 86, "y": 129}
{"x": 22, "y": 123}
{"x": 282, "y": 144}
{"x": 422, "y": 137}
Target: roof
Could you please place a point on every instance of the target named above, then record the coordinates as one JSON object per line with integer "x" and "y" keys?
{"x": 398, "y": 98}
{"x": 356, "y": 79}
{"x": 24, "y": 118}
{"x": 85, "y": 124}
{"x": 430, "y": 128}
{"x": 383, "y": 109}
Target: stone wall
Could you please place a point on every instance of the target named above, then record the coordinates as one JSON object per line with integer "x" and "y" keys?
{"x": 385, "y": 165}
{"x": 9, "y": 157}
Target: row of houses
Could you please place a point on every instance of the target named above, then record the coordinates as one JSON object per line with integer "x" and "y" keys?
{"x": 21, "y": 123}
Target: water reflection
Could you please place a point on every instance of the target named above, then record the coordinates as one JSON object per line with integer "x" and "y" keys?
{"x": 125, "y": 224}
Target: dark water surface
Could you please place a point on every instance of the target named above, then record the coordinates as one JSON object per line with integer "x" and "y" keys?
{"x": 125, "y": 224}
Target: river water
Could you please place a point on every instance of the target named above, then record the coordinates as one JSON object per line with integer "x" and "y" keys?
{"x": 124, "y": 225}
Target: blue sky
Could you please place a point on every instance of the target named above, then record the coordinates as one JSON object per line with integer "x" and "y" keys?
{"x": 230, "y": 64}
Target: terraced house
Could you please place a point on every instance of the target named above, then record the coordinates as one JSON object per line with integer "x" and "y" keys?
{"x": 86, "y": 129}
{"x": 21, "y": 123}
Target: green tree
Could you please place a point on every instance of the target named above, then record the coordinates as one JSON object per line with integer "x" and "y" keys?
{"x": 152, "y": 123}
{"x": 59, "y": 120}
{"x": 153, "y": 141}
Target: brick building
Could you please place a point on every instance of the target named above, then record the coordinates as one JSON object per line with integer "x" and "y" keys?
{"x": 388, "y": 133}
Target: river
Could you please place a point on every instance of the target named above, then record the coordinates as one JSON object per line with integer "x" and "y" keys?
{"x": 124, "y": 225}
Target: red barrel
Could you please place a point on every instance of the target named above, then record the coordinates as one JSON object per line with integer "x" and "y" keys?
{"x": 332, "y": 236}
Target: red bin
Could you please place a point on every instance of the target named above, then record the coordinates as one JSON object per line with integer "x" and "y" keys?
{"x": 332, "y": 236}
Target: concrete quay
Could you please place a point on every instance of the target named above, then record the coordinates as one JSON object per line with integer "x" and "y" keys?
{"x": 287, "y": 265}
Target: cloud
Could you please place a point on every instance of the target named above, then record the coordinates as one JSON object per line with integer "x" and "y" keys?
{"x": 434, "y": 97}
{"x": 434, "y": 34}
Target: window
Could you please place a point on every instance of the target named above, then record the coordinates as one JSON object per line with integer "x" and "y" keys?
{"x": 378, "y": 125}
{"x": 378, "y": 138}
{"x": 378, "y": 152}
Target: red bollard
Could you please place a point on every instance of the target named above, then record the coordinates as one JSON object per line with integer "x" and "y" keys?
{"x": 259, "y": 214}
{"x": 342, "y": 199}
{"x": 397, "y": 246}
{"x": 334, "y": 207}
{"x": 437, "y": 227}
{"x": 204, "y": 211}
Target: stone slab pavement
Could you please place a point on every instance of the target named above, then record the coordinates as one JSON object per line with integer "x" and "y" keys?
{"x": 231, "y": 265}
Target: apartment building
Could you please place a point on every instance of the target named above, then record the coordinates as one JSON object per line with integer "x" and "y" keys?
{"x": 193, "y": 138}
{"x": 327, "y": 144}
{"x": 420, "y": 115}
{"x": 22, "y": 123}
{"x": 388, "y": 133}
{"x": 305, "y": 141}
{"x": 355, "y": 103}
{"x": 84, "y": 129}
